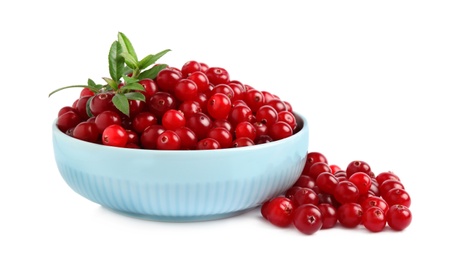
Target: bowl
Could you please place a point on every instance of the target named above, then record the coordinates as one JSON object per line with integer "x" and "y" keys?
{"x": 181, "y": 186}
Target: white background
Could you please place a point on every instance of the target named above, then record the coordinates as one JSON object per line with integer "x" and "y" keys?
{"x": 370, "y": 76}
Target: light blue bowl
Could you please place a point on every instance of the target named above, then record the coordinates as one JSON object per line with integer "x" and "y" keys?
{"x": 181, "y": 186}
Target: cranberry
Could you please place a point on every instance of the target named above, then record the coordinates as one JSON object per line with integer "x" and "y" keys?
{"x": 86, "y": 92}
{"x": 173, "y": 119}
{"x": 82, "y": 107}
{"x": 86, "y": 131}
{"x": 160, "y": 102}
{"x": 277, "y": 104}
{"x": 167, "y": 79}
{"x": 388, "y": 185}
{"x": 334, "y": 168}
{"x": 239, "y": 114}
{"x": 318, "y": 168}
{"x": 254, "y": 99}
{"x": 311, "y": 158}
{"x": 208, "y": 143}
{"x": 306, "y": 196}
{"x": 66, "y": 109}
{"x": 374, "y": 219}
{"x": 307, "y": 218}
{"x": 346, "y": 192}
{"x": 350, "y": 214}
{"x": 289, "y": 118}
{"x": 150, "y": 87}
{"x": 267, "y": 115}
{"x": 185, "y": 89}
{"x": 67, "y": 121}
{"x": 115, "y": 135}
{"x": 150, "y": 135}
{"x": 381, "y": 177}
{"x": 362, "y": 181}
{"x": 190, "y": 67}
{"x": 278, "y": 211}
{"x": 142, "y": 121}
{"x": 329, "y": 215}
{"x": 242, "y": 142}
{"x": 200, "y": 123}
{"x": 107, "y": 118}
{"x": 263, "y": 139}
{"x": 280, "y": 130}
{"x": 326, "y": 182}
{"x": 217, "y": 75}
{"x": 238, "y": 90}
{"x": 372, "y": 201}
{"x": 305, "y": 181}
{"x": 398, "y": 196}
{"x": 357, "y": 166}
{"x": 102, "y": 102}
{"x": 133, "y": 137}
{"x": 189, "y": 107}
{"x": 289, "y": 193}
{"x": 224, "y": 89}
{"x": 168, "y": 140}
{"x": 219, "y": 106}
{"x": 188, "y": 138}
{"x": 222, "y": 135}
{"x": 201, "y": 80}
{"x": 398, "y": 217}
{"x": 245, "y": 129}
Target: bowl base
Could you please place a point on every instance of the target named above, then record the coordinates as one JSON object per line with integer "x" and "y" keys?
{"x": 179, "y": 219}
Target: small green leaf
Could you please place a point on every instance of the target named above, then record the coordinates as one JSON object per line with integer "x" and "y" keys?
{"x": 151, "y": 59}
{"x": 88, "y": 107}
{"x": 135, "y": 96}
{"x": 131, "y": 61}
{"x": 91, "y": 83}
{"x": 111, "y": 83}
{"x": 127, "y": 70}
{"x": 126, "y": 45}
{"x": 152, "y": 72}
{"x": 132, "y": 86}
{"x": 129, "y": 80}
{"x": 120, "y": 101}
{"x": 116, "y": 61}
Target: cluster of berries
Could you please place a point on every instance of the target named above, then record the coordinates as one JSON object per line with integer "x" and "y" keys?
{"x": 326, "y": 195}
{"x": 194, "y": 107}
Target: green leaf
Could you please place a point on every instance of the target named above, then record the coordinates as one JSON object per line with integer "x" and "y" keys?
{"x": 129, "y": 80}
{"x": 91, "y": 83}
{"x": 111, "y": 83}
{"x": 127, "y": 47}
{"x": 93, "y": 86}
{"x": 151, "y": 59}
{"x": 132, "y": 86}
{"x": 127, "y": 70}
{"x": 152, "y": 72}
{"x": 88, "y": 107}
{"x": 131, "y": 61}
{"x": 135, "y": 96}
{"x": 120, "y": 101}
{"x": 116, "y": 61}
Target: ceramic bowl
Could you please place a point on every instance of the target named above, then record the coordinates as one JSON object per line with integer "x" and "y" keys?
{"x": 180, "y": 186}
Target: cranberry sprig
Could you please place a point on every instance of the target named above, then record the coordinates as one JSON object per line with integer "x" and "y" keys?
{"x": 126, "y": 71}
{"x": 326, "y": 195}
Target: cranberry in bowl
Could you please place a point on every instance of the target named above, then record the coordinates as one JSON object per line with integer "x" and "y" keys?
{"x": 181, "y": 185}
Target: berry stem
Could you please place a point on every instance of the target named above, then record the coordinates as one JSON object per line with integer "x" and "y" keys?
{"x": 73, "y": 86}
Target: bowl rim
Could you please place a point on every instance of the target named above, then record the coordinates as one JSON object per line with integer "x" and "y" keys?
{"x": 297, "y": 134}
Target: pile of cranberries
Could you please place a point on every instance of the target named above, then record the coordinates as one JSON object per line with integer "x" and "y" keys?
{"x": 326, "y": 195}
{"x": 196, "y": 107}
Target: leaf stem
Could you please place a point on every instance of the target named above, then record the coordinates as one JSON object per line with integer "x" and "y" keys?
{"x": 73, "y": 86}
